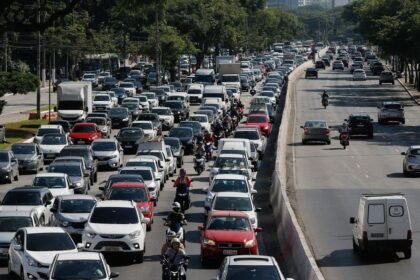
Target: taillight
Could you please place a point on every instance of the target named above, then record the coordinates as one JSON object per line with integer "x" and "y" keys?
{"x": 306, "y": 131}
{"x": 365, "y": 236}
{"x": 409, "y": 234}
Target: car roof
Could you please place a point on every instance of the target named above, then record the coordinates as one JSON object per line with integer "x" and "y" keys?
{"x": 29, "y": 188}
{"x": 115, "y": 203}
{"x": 31, "y": 230}
{"x": 230, "y": 176}
{"x": 362, "y": 114}
{"x": 77, "y": 147}
{"x": 251, "y": 260}
{"x": 51, "y": 126}
{"x": 52, "y": 174}
{"x": 105, "y": 140}
{"x": 233, "y": 194}
{"x": 66, "y": 163}
{"x": 85, "y": 124}
{"x": 136, "y": 168}
{"x": 230, "y": 156}
{"x": 245, "y": 128}
{"x": 128, "y": 185}
{"x": 78, "y": 256}
{"x": 76, "y": 196}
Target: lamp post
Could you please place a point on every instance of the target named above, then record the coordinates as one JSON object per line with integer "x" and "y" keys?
{"x": 38, "y": 61}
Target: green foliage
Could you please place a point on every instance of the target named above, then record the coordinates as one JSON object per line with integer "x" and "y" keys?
{"x": 17, "y": 82}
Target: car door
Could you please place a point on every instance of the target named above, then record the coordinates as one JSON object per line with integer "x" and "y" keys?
{"x": 398, "y": 220}
{"x": 15, "y": 255}
{"x": 377, "y": 227}
{"x": 39, "y": 156}
{"x": 47, "y": 200}
{"x": 14, "y": 163}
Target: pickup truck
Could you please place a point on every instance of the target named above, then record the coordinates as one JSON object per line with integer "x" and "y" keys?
{"x": 391, "y": 111}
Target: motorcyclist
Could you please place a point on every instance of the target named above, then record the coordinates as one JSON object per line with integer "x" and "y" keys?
{"x": 344, "y": 129}
{"x": 175, "y": 255}
{"x": 208, "y": 138}
{"x": 175, "y": 218}
{"x": 182, "y": 179}
{"x": 171, "y": 235}
{"x": 325, "y": 95}
{"x": 227, "y": 122}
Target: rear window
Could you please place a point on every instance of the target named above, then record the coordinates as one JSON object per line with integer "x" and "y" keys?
{"x": 376, "y": 214}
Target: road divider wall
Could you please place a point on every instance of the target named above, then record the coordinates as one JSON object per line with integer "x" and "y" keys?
{"x": 295, "y": 250}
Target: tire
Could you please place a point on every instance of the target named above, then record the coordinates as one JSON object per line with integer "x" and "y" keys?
{"x": 303, "y": 142}
{"x": 139, "y": 257}
{"x": 95, "y": 177}
{"x": 380, "y": 83}
{"x": 329, "y": 142}
{"x": 405, "y": 172}
{"x": 9, "y": 181}
{"x": 403, "y": 121}
{"x": 407, "y": 253}
{"x": 149, "y": 227}
{"x": 370, "y": 136}
{"x": 355, "y": 247}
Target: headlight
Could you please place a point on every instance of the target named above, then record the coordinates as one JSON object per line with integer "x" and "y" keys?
{"x": 135, "y": 234}
{"x": 78, "y": 184}
{"x": 113, "y": 156}
{"x": 125, "y": 119}
{"x": 64, "y": 223}
{"x": 209, "y": 242}
{"x": 250, "y": 243}
{"x": 33, "y": 262}
{"x": 5, "y": 167}
{"x": 90, "y": 234}
{"x": 209, "y": 198}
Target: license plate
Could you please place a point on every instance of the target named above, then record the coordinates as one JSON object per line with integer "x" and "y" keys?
{"x": 129, "y": 146}
{"x": 80, "y": 142}
{"x": 360, "y": 125}
{"x": 377, "y": 235}
{"x": 112, "y": 249}
{"x": 230, "y": 252}
{"x": 50, "y": 155}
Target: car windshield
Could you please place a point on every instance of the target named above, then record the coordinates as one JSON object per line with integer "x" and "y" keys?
{"x": 226, "y": 162}
{"x": 77, "y": 205}
{"x": 267, "y": 93}
{"x": 228, "y": 185}
{"x": 104, "y": 146}
{"x": 98, "y": 121}
{"x": 12, "y": 224}
{"x": 150, "y": 95}
{"x": 257, "y": 119}
{"x": 23, "y": 149}
{"x": 160, "y": 111}
{"x": 316, "y": 124}
{"x": 392, "y": 106}
{"x": 174, "y": 105}
{"x": 141, "y": 164}
{"x": 84, "y": 153}
{"x": 175, "y": 97}
{"x": 131, "y": 101}
{"x": 148, "y": 117}
{"x": 243, "y": 272}
{"x": 179, "y": 132}
{"x": 137, "y": 133}
{"x": 244, "y": 134}
{"x": 110, "y": 80}
{"x": 198, "y": 118}
{"x": 114, "y": 215}
{"x": 43, "y": 131}
{"x": 118, "y": 112}
{"x": 51, "y": 241}
{"x": 89, "y": 76}
{"x": 102, "y": 98}
{"x": 195, "y": 126}
{"x": 4, "y": 157}
{"x": 84, "y": 128}
{"x": 232, "y": 203}
{"x": 126, "y": 85}
{"x": 70, "y": 170}
{"x": 229, "y": 223}
{"x": 130, "y": 106}
{"x": 78, "y": 269}
{"x": 194, "y": 91}
{"x": 135, "y": 194}
{"x": 230, "y": 78}
{"x": 59, "y": 139}
{"x": 174, "y": 143}
{"x": 143, "y": 125}
{"x": 159, "y": 155}
{"x": 142, "y": 98}
{"x": 147, "y": 175}
{"x": 50, "y": 182}
{"x": 22, "y": 198}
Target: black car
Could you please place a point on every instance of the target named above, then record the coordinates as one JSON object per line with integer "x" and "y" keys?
{"x": 86, "y": 152}
{"x": 360, "y": 124}
{"x": 377, "y": 68}
{"x": 186, "y": 136}
{"x": 133, "y": 109}
{"x": 320, "y": 64}
{"x": 345, "y": 62}
{"x": 179, "y": 110}
{"x": 109, "y": 83}
{"x": 154, "y": 118}
{"x": 311, "y": 72}
{"x": 177, "y": 149}
{"x": 326, "y": 61}
{"x": 65, "y": 124}
{"x": 120, "y": 117}
{"x": 196, "y": 126}
{"x": 130, "y": 138}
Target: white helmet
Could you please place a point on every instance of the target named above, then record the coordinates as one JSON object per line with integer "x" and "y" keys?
{"x": 176, "y": 206}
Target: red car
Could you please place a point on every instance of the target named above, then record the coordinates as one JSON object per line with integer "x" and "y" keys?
{"x": 261, "y": 121}
{"x": 85, "y": 133}
{"x": 136, "y": 192}
{"x": 227, "y": 233}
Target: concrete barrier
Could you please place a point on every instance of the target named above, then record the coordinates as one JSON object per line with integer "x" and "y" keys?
{"x": 295, "y": 250}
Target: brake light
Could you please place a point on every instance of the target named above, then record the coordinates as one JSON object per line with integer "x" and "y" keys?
{"x": 365, "y": 236}
{"x": 409, "y": 234}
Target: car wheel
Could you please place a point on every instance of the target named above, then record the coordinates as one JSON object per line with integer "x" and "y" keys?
{"x": 139, "y": 257}
{"x": 9, "y": 180}
{"x": 22, "y": 274}
{"x": 329, "y": 142}
{"x": 149, "y": 227}
{"x": 95, "y": 177}
{"x": 303, "y": 142}
{"x": 405, "y": 172}
{"x": 380, "y": 83}
{"x": 355, "y": 247}
{"x": 407, "y": 253}
{"x": 403, "y": 121}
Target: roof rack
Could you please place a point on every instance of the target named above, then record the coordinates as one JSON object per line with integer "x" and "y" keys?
{"x": 382, "y": 194}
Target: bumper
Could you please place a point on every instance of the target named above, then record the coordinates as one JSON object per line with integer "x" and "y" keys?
{"x": 386, "y": 245}
{"x": 32, "y": 273}
{"x": 50, "y": 157}
{"x": 81, "y": 141}
{"x": 361, "y": 131}
{"x": 112, "y": 162}
{"x": 321, "y": 138}
{"x": 124, "y": 244}
{"x": 119, "y": 123}
{"x": 28, "y": 165}
{"x": 216, "y": 253}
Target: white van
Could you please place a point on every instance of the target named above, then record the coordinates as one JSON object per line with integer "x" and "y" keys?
{"x": 195, "y": 93}
{"x": 217, "y": 92}
{"x": 382, "y": 223}
{"x": 250, "y": 148}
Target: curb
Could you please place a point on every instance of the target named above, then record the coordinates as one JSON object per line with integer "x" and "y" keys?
{"x": 409, "y": 92}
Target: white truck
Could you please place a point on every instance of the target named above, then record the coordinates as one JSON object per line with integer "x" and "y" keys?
{"x": 230, "y": 75}
{"x": 74, "y": 101}
{"x": 224, "y": 59}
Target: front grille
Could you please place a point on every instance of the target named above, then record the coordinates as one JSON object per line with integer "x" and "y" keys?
{"x": 102, "y": 244}
{"x": 78, "y": 224}
{"x": 230, "y": 245}
{"x": 4, "y": 245}
{"x": 103, "y": 158}
{"x": 112, "y": 236}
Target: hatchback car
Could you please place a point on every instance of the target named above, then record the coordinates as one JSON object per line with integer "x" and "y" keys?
{"x": 85, "y": 133}
{"x": 386, "y": 77}
{"x": 360, "y": 124}
{"x": 261, "y": 121}
{"x": 108, "y": 152}
{"x": 29, "y": 155}
{"x": 311, "y": 72}
{"x": 51, "y": 146}
{"x": 359, "y": 74}
{"x": 57, "y": 183}
{"x": 166, "y": 116}
{"x": 411, "y": 162}
{"x": 316, "y": 131}
{"x": 79, "y": 179}
{"x": 9, "y": 166}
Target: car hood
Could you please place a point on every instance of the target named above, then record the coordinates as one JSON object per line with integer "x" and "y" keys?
{"x": 104, "y": 153}
{"x": 51, "y": 148}
{"x": 239, "y": 236}
{"x": 61, "y": 191}
{"x": 4, "y": 164}
{"x": 74, "y": 217}
{"x": 6, "y": 236}
{"x": 112, "y": 228}
{"x": 25, "y": 156}
{"x": 46, "y": 257}
{"x": 82, "y": 134}
{"x": 101, "y": 102}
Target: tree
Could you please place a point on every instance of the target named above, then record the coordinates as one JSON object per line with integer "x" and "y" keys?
{"x": 17, "y": 82}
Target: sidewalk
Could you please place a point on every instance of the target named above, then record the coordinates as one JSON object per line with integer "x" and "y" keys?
{"x": 410, "y": 90}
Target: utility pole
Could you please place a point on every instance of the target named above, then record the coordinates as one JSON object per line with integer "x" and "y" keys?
{"x": 6, "y": 42}
{"x": 157, "y": 43}
{"x": 38, "y": 61}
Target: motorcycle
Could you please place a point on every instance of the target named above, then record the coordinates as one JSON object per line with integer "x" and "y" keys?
{"x": 174, "y": 271}
{"x": 209, "y": 150}
{"x": 182, "y": 196}
{"x": 227, "y": 127}
{"x": 344, "y": 139}
{"x": 217, "y": 135}
{"x": 199, "y": 163}
{"x": 180, "y": 234}
{"x": 325, "y": 102}
{"x": 240, "y": 112}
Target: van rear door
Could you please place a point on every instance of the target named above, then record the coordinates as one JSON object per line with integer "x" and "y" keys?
{"x": 377, "y": 228}
{"x": 398, "y": 219}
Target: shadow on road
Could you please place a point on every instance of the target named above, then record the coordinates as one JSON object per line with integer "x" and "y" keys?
{"x": 346, "y": 257}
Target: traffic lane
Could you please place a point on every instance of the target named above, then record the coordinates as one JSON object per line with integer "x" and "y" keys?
{"x": 329, "y": 181}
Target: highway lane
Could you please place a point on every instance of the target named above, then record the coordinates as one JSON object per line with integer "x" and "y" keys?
{"x": 328, "y": 180}
{"x": 151, "y": 268}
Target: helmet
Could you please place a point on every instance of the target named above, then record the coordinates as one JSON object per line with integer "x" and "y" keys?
{"x": 344, "y": 124}
{"x": 175, "y": 240}
{"x": 170, "y": 235}
{"x": 206, "y": 131}
{"x": 176, "y": 206}
{"x": 182, "y": 172}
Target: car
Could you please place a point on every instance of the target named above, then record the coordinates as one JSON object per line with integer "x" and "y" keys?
{"x": 186, "y": 136}
{"x": 179, "y": 110}
{"x": 271, "y": 95}
{"x": 255, "y": 137}
{"x": 316, "y": 130}
{"x": 228, "y": 183}
{"x": 338, "y": 64}
{"x": 120, "y": 117}
{"x": 119, "y": 93}
{"x": 10, "y": 222}
{"x": 51, "y": 146}
{"x": 195, "y": 93}
{"x": 411, "y": 162}
{"x": 153, "y": 164}
{"x": 47, "y": 129}
{"x": 130, "y": 138}
{"x": 57, "y": 183}
{"x": 231, "y": 162}
{"x": 102, "y": 76}
{"x": 85, "y": 133}
{"x": 391, "y": 111}
{"x": 103, "y": 125}
{"x": 147, "y": 127}
{"x": 377, "y": 68}
{"x": 110, "y": 83}
{"x": 172, "y": 161}
{"x": 177, "y": 149}
{"x": 133, "y": 110}
{"x": 227, "y": 233}
{"x": 159, "y": 156}
{"x": 196, "y": 126}
{"x": 235, "y": 201}
{"x": 33, "y": 249}
{"x": 77, "y": 159}
{"x": 90, "y": 77}
{"x": 108, "y": 152}
{"x": 137, "y": 83}
{"x": 144, "y": 103}
{"x": 99, "y": 114}
{"x": 202, "y": 119}
{"x": 320, "y": 64}
{"x": 71, "y": 213}
{"x": 152, "y": 98}
{"x": 27, "y": 198}
{"x": 132, "y": 100}
{"x": 345, "y": 62}
{"x": 154, "y": 118}
{"x": 9, "y": 166}
{"x": 249, "y": 267}
{"x": 137, "y": 192}
{"x": 116, "y": 226}
{"x": 79, "y": 180}
{"x": 166, "y": 116}
{"x": 360, "y": 124}
{"x": 29, "y": 156}
{"x": 355, "y": 66}
{"x": 211, "y": 113}
{"x": 148, "y": 175}
{"x": 84, "y": 265}
{"x": 102, "y": 101}
{"x": 311, "y": 72}
{"x": 386, "y": 77}
{"x": 84, "y": 151}
{"x": 261, "y": 121}
{"x": 129, "y": 88}
{"x": 359, "y": 74}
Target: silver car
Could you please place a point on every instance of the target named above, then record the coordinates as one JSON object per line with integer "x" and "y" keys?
{"x": 411, "y": 163}
{"x": 316, "y": 131}
{"x": 108, "y": 152}
{"x": 29, "y": 155}
{"x": 103, "y": 125}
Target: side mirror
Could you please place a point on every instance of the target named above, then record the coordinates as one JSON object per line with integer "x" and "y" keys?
{"x": 200, "y": 228}
{"x": 258, "y": 209}
{"x": 17, "y": 247}
{"x": 114, "y": 274}
{"x": 352, "y": 220}
{"x": 258, "y": 229}
{"x": 345, "y": 120}
{"x": 80, "y": 246}
{"x": 254, "y": 191}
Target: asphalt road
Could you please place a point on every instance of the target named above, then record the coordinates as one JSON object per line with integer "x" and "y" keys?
{"x": 328, "y": 180}
{"x": 151, "y": 268}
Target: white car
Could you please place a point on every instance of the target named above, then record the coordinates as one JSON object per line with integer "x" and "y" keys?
{"x": 228, "y": 183}
{"x": 229, "y": 162}
{"x": 153, "y": 163}
{"x": 57, "y": 183}
{"x": 148, "y": 177}
{"x": 81, "y": 265}
{"x": 102, "y": 76}
{"x": 159, "y": 155}
{"x": 52, "y": 144}
{"x": 128, "y": 87}
{"x": 195, "y": 93}
{"x": 133, "y": 101}
{"x": 254, "y": 136}
{"x": 114, "y": 98}
{"x": 202, "y": 119}
{"x": 116, "y": 226}
{"x": 90, "y": 77}
{"x": 172, "y": 160}
{"x": 108, "y": 152}
{"x": 166, "y": 116}
{"x": 235, "y": 201}
{"x": 359, "y": 74}
{"x": 145, "y": 106}
{"x": 147, "y": 127}
{"x": 152, "y": 98}
{"x": 102, "y": 101}
{"x": 33, "y": 249}
{"x": 47, "y": 129}
{"x": 271, "y": 95}
{"x": 236, "y": 93}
